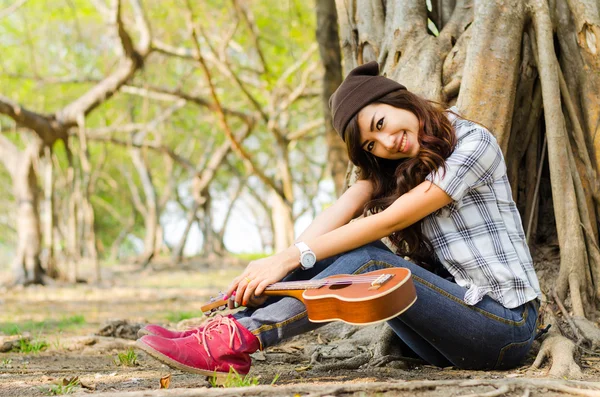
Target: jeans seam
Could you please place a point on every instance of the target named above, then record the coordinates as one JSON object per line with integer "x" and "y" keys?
{"x": 507, "y": 347}
{"x": 481, "y": 311}
{"x": 370, "y": 262}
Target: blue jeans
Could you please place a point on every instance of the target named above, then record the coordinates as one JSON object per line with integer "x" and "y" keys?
{"x": 439, "y": 327}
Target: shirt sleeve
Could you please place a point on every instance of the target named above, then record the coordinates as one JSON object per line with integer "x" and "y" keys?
{"x": 475, "y": 161}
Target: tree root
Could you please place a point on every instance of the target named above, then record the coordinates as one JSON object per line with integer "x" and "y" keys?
{"x": 588, "y": 330}
{"x": 560, "y": 350}
{"x": 350, "y": 363}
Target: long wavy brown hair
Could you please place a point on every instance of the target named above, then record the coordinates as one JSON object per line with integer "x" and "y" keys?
{"x": 393, "y": 178}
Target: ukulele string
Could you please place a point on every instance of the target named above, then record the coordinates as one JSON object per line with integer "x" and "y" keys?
{"x": 323, "y": 282}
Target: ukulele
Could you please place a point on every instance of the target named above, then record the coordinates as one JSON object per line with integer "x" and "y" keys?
{"x": 359, "y": 299}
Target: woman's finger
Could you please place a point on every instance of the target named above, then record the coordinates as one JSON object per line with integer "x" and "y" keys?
{"x": 249, "y": 292}
{"x": 260, "y": 288}
{"x": 239, "y": 292}
{"x": 233, "y": 286}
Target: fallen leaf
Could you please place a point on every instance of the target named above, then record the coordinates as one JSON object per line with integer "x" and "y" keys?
{"x": 165, "y": 381}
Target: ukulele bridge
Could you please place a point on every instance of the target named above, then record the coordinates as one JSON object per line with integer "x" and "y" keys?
{"x": 379, "y": 281}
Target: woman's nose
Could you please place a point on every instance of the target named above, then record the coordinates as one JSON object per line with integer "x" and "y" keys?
{"x": 389, "y": 143}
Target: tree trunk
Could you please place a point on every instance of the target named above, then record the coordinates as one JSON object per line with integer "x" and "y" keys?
{"x": 151, "y": 215}
{"x": 500, "y": 62}
{"x": 329, "y": 48}
{"x": 48, "y": 221}
{"x": 283, "y": 227}
{"x": 27, "y": 266}
{"x": 177, "y": 253}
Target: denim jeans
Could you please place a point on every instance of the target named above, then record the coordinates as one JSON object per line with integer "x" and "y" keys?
{"x": 439, "y": 327}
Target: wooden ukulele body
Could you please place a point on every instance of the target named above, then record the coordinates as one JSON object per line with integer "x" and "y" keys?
{"x": 359, "y": 303}
{"x": 355, "y": 299}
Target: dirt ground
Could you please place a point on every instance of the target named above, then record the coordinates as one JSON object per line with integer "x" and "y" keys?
{"x": 68, "y": 318}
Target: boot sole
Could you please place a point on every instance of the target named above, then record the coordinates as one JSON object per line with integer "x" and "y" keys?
{"x": 175, "y": 364}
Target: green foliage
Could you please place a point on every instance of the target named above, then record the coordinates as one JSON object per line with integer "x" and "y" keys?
{"x": 234, "y": 379}
{"x": 127, "y": 358}
{"x": 62, "y": 324}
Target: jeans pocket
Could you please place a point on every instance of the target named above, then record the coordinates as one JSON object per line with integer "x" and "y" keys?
{"x": 513, "y": 354}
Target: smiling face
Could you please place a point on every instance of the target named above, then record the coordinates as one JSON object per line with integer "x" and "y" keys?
{"x": 388, "y": 132}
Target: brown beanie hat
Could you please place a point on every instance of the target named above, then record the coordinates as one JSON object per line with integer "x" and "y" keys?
{"x": 362, "y": 86}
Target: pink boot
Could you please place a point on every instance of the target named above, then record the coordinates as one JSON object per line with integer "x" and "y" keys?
{"x": 153, "y": 329}
{"x": 222, "y": 344}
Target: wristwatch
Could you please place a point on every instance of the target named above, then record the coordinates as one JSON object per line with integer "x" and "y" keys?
{"x": 307, "y": 256}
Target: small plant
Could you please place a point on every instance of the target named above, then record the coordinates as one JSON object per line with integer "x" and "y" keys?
{"x": 6, "y": 363}
{"x": 26, "y": 346}
{"x": 127, "y": 359}
{"x": 66, "y": 386}
{"x": 57, "y": 344}
{"x": 234, "y": 379}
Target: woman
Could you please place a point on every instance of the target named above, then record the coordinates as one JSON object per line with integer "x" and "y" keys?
{"x": 436, "y": 185}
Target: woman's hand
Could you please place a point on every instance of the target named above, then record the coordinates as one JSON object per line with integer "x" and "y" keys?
{"x": 248, "y": 286}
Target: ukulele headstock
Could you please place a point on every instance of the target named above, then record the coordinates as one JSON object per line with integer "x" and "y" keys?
{"x": 215, "y": 304}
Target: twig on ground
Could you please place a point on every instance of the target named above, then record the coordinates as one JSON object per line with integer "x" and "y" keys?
{"x": 498, "y": 392}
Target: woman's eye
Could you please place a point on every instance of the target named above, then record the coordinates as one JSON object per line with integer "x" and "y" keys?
{"x": 380, "y": 123}
{"x": 370, "y": 146}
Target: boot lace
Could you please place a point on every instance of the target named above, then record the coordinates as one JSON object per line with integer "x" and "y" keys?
{"x": 214, "y": 325}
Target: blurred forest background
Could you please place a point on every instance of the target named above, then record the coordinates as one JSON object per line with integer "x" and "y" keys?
{"x": 124, "y": 150}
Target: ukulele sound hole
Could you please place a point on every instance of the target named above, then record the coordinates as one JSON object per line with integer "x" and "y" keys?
{"x": 340, "y": 285}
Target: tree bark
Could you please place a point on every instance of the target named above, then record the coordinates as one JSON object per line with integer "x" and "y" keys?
{"x": 329, "y": 49}
{"x": 27, "y": 267}
{"x": 151, "y": 221}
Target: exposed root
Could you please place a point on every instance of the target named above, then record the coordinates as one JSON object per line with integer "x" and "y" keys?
{"x": 400, "y": 362}
{"x": 388, "y": 349}
{"x": 350, "y": 363}
{"x": 560, "y": 350}
{"x": 589, "y": 331}
{"x": 386, "y": 343}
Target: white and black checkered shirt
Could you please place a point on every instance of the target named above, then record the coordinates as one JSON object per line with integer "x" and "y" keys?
{"x": 479, "y": 237}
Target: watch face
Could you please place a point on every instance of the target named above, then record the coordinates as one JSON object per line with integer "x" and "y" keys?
{"x": 308, "y": 259}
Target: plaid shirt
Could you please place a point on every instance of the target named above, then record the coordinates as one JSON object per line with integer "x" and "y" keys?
{"x": 479, "y": 236}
